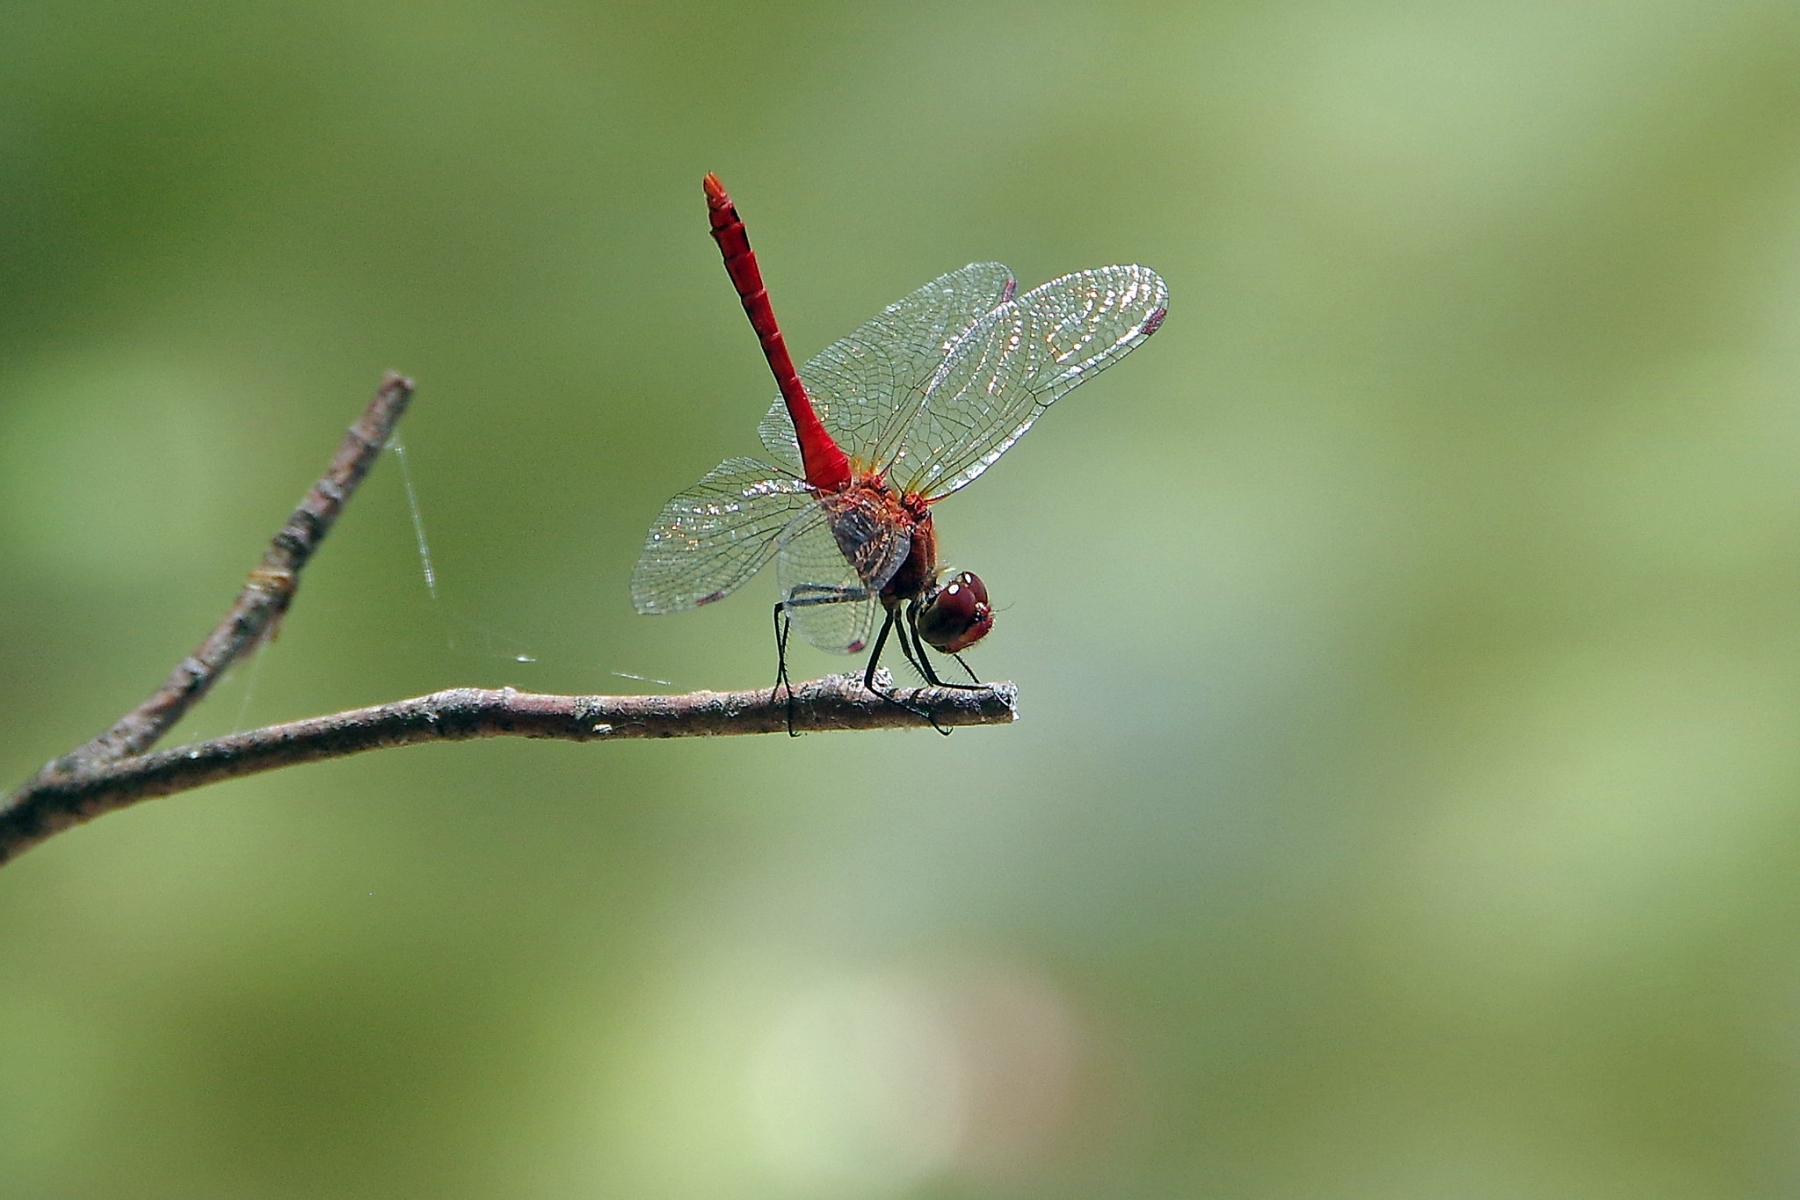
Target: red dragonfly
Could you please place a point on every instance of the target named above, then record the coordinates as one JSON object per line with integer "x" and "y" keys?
{"x": 869, "y": 435}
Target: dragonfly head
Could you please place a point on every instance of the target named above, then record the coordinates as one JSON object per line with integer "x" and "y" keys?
{"x": 955, "y": 615}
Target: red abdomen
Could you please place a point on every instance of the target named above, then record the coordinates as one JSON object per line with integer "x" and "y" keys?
{"x": 827, "y": 467}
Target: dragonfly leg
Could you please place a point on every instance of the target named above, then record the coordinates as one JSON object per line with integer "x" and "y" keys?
{"x": 875, "y": 655}
{"x": 805, "y": 595}
{"x": 906, "y": 647}
{"x": 923, "y": 661}
{"x": 810, "y": 595}
{"x": 783, "y": 623}
{"x": 891, "y": 624}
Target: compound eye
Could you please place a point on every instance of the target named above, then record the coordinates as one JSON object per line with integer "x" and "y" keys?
{"x": 956, "y": 615}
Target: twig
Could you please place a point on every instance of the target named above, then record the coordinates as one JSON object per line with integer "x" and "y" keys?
{"x": 116, "y": 769}
{"x": 47, "y": 806}
{"x": 267, "y": 592}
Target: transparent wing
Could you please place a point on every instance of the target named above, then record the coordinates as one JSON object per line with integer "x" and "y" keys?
{"x": 831, "y": 567}
{"x": 715, "y": 535}
{"x": 857, "y": 382}
{"x": 1012, "y": 365}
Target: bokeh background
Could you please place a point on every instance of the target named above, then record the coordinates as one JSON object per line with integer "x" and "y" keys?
{"x": 1407, "y": 800}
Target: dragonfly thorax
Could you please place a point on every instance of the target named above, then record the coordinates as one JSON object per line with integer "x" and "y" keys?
{"x": 918, "y": 569}
{"x": 949, "y": 616}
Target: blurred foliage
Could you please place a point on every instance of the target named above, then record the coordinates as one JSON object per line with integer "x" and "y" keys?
{"x": 1407, "y": 802}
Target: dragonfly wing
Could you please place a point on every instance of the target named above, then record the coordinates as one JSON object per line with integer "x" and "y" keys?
{"x": 857, "y": 382}
{"x": 1015, "y": 363}
{"x": 715, "y": 535}
{"x": 831, "y": 566}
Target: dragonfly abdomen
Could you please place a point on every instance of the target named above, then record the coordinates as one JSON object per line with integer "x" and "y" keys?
{"x": 827, "y": 467}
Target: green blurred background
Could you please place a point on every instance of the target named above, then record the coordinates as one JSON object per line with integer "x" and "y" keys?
{"x": 1407, "y": 800}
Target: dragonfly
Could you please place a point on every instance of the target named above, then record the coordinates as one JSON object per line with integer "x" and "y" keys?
{"x": 866, "y": 438}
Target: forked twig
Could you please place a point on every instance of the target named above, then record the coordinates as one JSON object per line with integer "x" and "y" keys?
{"x": 267, "y": 592}
{"x": 117, "y": 769}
